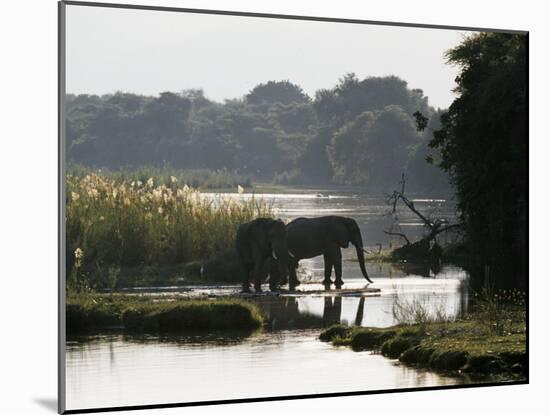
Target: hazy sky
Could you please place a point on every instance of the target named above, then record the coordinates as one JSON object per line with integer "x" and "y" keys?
{"x": 148, "y": 52}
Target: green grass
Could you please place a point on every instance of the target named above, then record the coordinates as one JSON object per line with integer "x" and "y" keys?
{"x": 467, "y": 345}
{"x": 192, "y": 315}
{"x": 118, "y": 224}
{"x": 93, "y": 311}
{"x": 382, "y": 257}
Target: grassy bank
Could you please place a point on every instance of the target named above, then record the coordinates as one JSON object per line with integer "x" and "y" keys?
{"x": 86, "y": 312}
{"x": 463, "y": 345}
{"x": 116, "y": 224}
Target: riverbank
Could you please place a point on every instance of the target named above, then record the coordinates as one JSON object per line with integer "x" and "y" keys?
{"x": 461, "y": 346}
{"x": 85, "y": 312}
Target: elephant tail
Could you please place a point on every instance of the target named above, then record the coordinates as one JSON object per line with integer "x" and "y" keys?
{"x": 361, "y": 259}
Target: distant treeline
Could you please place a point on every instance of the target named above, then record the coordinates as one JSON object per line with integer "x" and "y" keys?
{"x": 360, "y": 132}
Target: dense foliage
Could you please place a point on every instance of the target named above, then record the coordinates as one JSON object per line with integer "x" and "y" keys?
{"x": 275, "y": 132}
{"x": 483, "y": 145}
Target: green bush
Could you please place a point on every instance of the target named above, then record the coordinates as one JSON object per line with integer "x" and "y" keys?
{"x": 335, "y": 331}
{"x": 367, "y": 339}
{"x": 393, "y": 347}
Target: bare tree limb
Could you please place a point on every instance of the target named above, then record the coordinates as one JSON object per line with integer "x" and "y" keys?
{"x": 435, "y": 227}
{"x": 402, "y": 235}
{"x": 410, "y": 204}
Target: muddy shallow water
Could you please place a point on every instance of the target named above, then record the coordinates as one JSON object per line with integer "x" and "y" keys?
{"x": 285, "y": 358}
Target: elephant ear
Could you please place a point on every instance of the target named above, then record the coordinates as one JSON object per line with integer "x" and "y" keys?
{"x": 258, "y": 234}
{"x": 341, "y": 232}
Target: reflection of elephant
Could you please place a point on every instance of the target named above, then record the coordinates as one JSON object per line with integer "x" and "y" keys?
{"x": 257, "y": 242}
{"x": 284, "y": 312}
{"x": 332, "y": 311}
{"x": 325, "y": 236}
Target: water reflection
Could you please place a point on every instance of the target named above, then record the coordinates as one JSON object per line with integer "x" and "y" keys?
{"x": 424, "y": 269}
{"x": 199, "y": 338}
{"x": 332, "y": 311}
{"x": 285, "y": 358}
{"x": 447, "y": 297}
{"x": 117, "y": 371}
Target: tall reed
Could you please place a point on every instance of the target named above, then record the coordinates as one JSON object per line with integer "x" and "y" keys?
{"x": 117, "y": 223}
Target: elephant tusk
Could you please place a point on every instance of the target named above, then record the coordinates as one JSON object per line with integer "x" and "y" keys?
{"x": 290, "y": 253}
{"x": 273, "y": 254}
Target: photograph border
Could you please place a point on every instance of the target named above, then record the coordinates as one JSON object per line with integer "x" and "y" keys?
{"x": 62, "y": 200}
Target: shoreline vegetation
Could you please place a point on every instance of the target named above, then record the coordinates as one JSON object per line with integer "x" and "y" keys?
{"x": 490, "y": 340}
{"x": 454, "y": 253}
{"x": 450, "y": 347}
{"x": 120, "y": 223}
{"x": 93, "y": 311}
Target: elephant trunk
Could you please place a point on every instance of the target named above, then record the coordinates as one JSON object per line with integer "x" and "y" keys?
{"x": 361, "y": 259}
{"x": 280, "y": 254}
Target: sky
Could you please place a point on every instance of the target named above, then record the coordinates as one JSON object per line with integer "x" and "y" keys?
{"x": 148, "y": 52}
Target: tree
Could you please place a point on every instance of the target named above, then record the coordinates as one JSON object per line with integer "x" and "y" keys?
{"x": 283, "y": 92}
{"x": 275, "y": 132}
{"x": 346, "y": 155}
{"x": 483, "y": 146}
{"x": 292, "y": 118}
{"x": 351, "y": 96}
{"x": 423, "y": 173}
{"x": 373, "y": 148}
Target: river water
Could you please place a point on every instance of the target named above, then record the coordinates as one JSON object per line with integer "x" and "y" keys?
{"x": 285, "y": 358}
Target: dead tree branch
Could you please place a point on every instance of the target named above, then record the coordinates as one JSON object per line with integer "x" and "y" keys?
{"x": 402, "y": 235}
{"x": 434, "y": 226}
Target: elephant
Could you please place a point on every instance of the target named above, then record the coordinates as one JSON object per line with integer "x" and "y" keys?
{"x": 310, "y": 237}
{"x": 261, "y": 244}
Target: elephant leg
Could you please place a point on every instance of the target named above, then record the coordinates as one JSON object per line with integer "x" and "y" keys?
{"x": 246, "y": 279}
{"x": 293, "y": 279}
{"x": 274, "y": 275}
{"x": 338, "y": 269}
{"x": 328, "y": 270}
{"x": 284, "y": 280}
{"x": 258, "y": 276}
